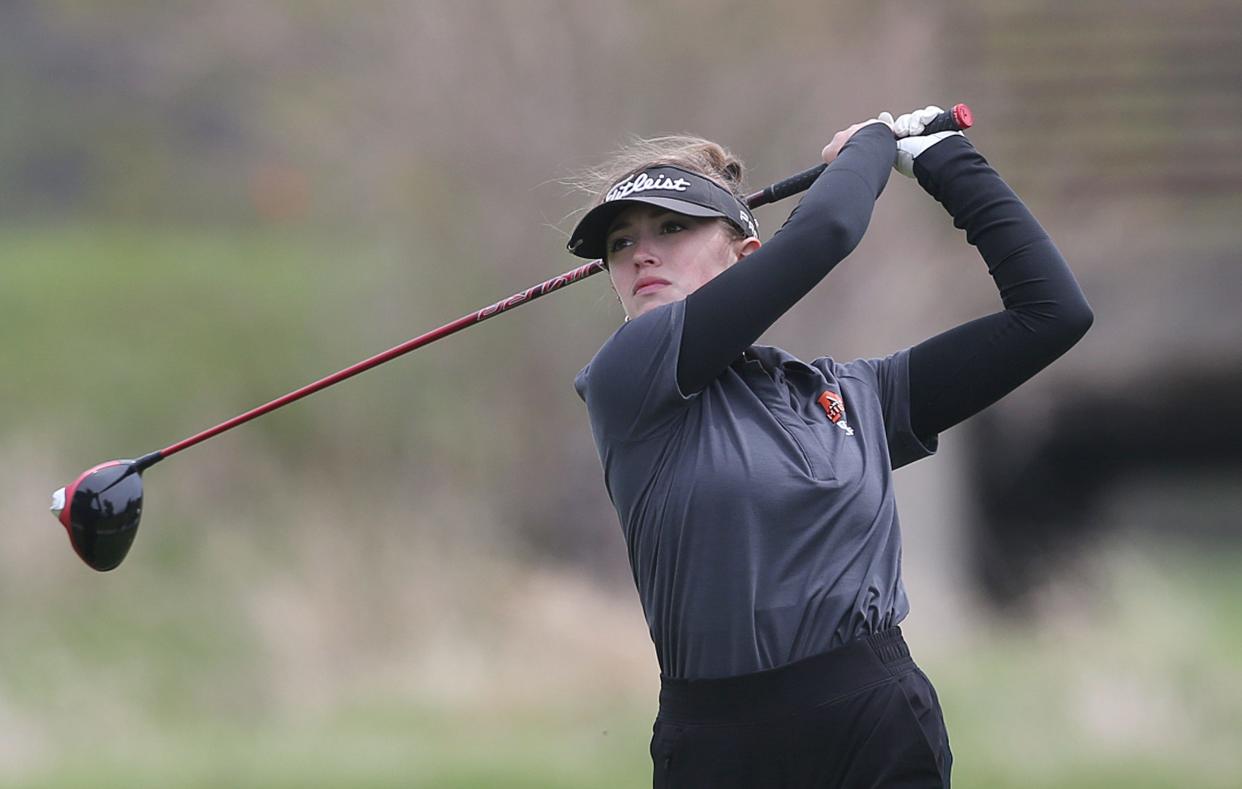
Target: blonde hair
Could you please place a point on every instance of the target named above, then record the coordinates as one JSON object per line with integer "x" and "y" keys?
{"x": 708, "y": 159}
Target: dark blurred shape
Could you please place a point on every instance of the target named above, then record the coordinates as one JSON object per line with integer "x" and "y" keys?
{"x": 1037, "y": 484}
{"x": 1119, "y": 123}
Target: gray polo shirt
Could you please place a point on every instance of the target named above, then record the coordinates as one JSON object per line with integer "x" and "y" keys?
{"x": 758, "y": 513}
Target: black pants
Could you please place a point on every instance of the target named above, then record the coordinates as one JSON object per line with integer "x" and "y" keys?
{"x": 862, "y": 715}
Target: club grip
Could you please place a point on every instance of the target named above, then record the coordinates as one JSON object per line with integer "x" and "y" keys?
{"x": 957, "y": 118}
{"x": 782, "y": 189}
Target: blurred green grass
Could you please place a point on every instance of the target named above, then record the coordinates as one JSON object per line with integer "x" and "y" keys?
{"x": 370, "y": 746}
{"x": 120, "y": 339}
{"x": 168, "y": 672}
{"x": 121, "y": 330}
{"x": 1138, "y": 688}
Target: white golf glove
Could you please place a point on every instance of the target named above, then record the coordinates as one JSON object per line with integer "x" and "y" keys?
{"x": 910, "y": 139}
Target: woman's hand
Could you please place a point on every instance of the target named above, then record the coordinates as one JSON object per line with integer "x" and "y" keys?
{"x": 910, "y": 139}
{"x": 842, "y": 137}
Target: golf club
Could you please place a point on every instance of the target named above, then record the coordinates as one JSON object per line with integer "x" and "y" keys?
{"x": 100, "y": 510}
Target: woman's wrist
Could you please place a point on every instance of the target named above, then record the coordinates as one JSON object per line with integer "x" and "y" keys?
{"x": 936, "y": 167}
{"x": 869, "y": 154}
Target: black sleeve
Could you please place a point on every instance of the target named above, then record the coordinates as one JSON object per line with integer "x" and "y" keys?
{"x": 728, "y": 314}
{"x": 962, "y": 371}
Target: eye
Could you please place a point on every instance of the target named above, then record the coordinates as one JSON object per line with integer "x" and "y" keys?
{"x": 617, "y": 244}
{"x": 672, "y": 226}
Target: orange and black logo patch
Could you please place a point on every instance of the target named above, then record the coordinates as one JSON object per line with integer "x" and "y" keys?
{"x": 833, "y": 405}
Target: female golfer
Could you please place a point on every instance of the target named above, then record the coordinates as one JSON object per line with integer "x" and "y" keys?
{"x": 755, "y": 490}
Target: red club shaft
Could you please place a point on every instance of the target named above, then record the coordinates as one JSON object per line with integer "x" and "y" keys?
{"x": 517, "y": 299}
{"x": 959, "y": 117}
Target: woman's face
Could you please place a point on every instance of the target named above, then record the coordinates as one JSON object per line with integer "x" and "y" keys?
{"x": 656, "y": 256}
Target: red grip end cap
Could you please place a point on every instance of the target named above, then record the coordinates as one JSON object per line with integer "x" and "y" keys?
{"x": 963, "y": 117}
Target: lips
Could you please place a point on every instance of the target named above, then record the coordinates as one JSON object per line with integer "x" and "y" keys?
{"x": 648, "y": 284}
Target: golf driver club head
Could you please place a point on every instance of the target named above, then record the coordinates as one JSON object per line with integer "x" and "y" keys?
{"x": 100, "y": 512}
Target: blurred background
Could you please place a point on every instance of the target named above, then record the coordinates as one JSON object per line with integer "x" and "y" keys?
{"x": 416, "y": 578}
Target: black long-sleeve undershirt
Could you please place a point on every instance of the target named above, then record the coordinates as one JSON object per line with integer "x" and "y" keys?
{"x": 962, "y": 371}
{"x": 952, "y": 375}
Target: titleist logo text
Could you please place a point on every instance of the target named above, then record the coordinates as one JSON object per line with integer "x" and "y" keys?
{"x": 644, "y": 183}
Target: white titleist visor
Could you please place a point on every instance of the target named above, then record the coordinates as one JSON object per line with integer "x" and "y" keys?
{"x": 665, "y": 186}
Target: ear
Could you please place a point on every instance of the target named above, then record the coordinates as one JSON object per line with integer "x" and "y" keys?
{"x": 748, "y": 246}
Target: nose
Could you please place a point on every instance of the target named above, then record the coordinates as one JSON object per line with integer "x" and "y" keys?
{"x": 644, "y": 254}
